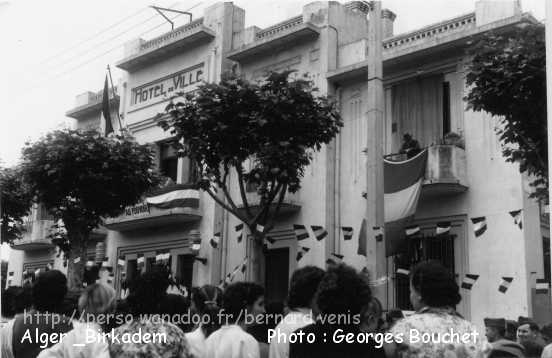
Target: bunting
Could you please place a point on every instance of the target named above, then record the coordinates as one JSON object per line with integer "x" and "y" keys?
{"x": 260, "y": 228}
{"x": 203, "y": 260}
{"x": 239, "y": 231}
{"x": 347, "y": 232}
{"x": 121, "y": 261}
{"x": 505, "y": 284}
{"x": 516, "y": 214}
{"x": 442, "y": 228}
{"x": 76, "y": 260}
{"x": 412, "y": 230}
{"x": 106, "y": 112}
{"x": 378, "y": 233}
{"x": 319, "y": 232}
{"x": 542, "y": 286}
{"x": 336, "y": 259}
{"x": 301, "y": 232}
{"x": 215, "y": 240}
{"x": 401, "y": 271}
{"x": 302, "y": 253}
{"x": 479, "y": 225}
{"x": 469, "y": 281}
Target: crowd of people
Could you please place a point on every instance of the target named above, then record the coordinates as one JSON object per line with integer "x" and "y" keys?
{"x": 328, "y": 313}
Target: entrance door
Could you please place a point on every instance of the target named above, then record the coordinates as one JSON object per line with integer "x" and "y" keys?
{"x": 184, "y": 270}
{"x": 276, "y": 274}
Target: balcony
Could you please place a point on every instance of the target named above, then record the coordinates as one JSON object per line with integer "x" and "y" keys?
{"x": 289, "y": 205}
{"x": 90, "y": 104}
{"x": 141, "y": 53}
{"x": 445, "y": 172}
{"x": 35, "y": 236}
{"x": 288, "y": 33}
{"x": 172, "y": 205}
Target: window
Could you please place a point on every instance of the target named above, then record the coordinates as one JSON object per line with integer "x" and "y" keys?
{"x": 276, "y": 274}
{"x": 422, "y": 248}
{"x": 546, "y": 257}
{"x": 446, "y": 108}
{"x": 184, "y": 270}
{"x": 168, "y": 161}
{"x": 131, "y": 270}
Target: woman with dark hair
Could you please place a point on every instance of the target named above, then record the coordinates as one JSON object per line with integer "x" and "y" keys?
{"x": 434, "y": 295}
{"x": 206, "y": 303}
{"x": 241, "y": 300}
{"x": 145, "y": 303}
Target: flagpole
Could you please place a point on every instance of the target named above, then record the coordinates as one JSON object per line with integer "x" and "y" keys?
{"x": 113, "y": 91}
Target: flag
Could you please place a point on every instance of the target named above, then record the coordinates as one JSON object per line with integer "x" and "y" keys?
{"x": 479, "y": 225}
{"x": 442, "y": 227}
{"x": 469, "y": 281}
{"x": 362, "y": 239}
{"x": 215, "y": 240}
{"x": 336, "y": 259}
{"x": 140, "y": 261}
{"x": 169, "y": 198}
{"x": 301, "y": 232}
{"x": 506, "y": 281}
{"x": 89, "y": 263}
{"x": 319, "y": 232}
{"x": 516, "y": 214}
{"x": 401, "y": 271}
{"x": 347, "y": 232}
{"x": 260, "y": 228}
{"x": 203, "y": 260}
{"x": 105, "y": 262}
{"x": 105, "y": 108}
{"x": 378, "y": 233}
{"x": 239, "y": 231}
{"x": 196, "y": 246}
{"x": 542, "y": 286}
{"x": 76, "y": 260}
{"x": 121, "y": 261}
{"x": 412, "y": 230}
{"x": 402, "y": 188}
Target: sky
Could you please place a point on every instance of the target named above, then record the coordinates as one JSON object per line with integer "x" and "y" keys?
{"x": 53, "y": 50}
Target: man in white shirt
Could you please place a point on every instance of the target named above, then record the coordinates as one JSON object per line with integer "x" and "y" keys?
{"x": 301, "y": 298}
{"x": 231, "y": 340}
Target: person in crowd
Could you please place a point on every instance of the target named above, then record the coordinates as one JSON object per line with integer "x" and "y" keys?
{"x": 546, "y": 332}
{"x": 231, "y": 340}
{"x": 48, "y": 293}
{"x": 393, "y": 316}
{"x": 533, "y": 349}
{"x": 495, "y": 329}
{"x": 341, "y": 295}
{"x": 528, "y": 331}
{"x": 301, "y": 300}
{"x": 433, "y": 295}
{"x": 15, "y": 300}
{"x": 410, "y": 146}
{"x": 207, "y": 303}
{"x": 511, "y": 330}
{"x": 371, "y": 317}
{"x": 260, "y": 328}
{"x": 147, "y": 293}
{"x": 509, "y": 349}
{"x": 176, "y": 306}
{"x": 95, "y": 304}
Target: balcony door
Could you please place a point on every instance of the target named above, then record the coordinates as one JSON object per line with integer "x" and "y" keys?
{"x": 276, "y": 274}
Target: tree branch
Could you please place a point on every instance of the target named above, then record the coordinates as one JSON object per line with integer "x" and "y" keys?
{"x": 278, "y": 206}
{"x": 239, "y": 170}
{"x": 221, "y": 203}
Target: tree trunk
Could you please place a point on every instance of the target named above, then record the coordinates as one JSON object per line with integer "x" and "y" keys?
{"x": 257, "y": 259}
{"x": 75, "y": 270}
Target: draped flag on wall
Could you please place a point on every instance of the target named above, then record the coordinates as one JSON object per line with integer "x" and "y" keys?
{"x": 170, "y": 198}
{"x": 402, "y": 187}
{"x": 106, "y": 112}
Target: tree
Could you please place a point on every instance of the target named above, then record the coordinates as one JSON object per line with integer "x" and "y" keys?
{"x": 81, "y": 177}
{"x": 15, "y": 203}
{"x": 276, "y": 124}
{"x": 507, "y": 75}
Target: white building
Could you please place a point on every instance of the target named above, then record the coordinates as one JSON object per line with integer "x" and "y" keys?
{"x": 423, "y": 75}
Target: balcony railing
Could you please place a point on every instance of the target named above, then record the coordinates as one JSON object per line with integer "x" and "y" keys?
{"x": 35, "y": 236}
{"x": 171, "y": 205}
{"x": 290, "y": 204}
{"x": 445, "y": 170}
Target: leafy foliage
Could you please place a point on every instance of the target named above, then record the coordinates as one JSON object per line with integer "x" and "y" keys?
{"x": 16, "y": 202}
{"x": 507, "y": 76}
{"x": 81, "y": 177}
{"x": 277, "y": 124}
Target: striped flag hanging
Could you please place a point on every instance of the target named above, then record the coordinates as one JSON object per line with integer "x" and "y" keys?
{"x": 479, "y": 225}
{"x": 302, "y": 253}
{"x": 506, "y": 281}
{"x": 401, "y": 271}
{"x": 169, "y": 198}
{"x": 412, "y": 230}
{"x": 301, "y": 232}
{"x": 542, "y": 286}
{"x": 239, "y": 231}
{"x": 336, "y": 259}
{"x": 347, "y": 232}
{"x": 516, "y": 214}
{"x": 319, "y": 232}
{"x": 378, "y": 233}
{"x": 469, "y": 281}
{"x": 106, "y": 111}
{"x": 215, "y": 240}
{"x": 443, "y": 227}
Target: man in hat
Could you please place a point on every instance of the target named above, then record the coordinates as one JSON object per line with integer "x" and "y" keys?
{"x": 495, "y": 329}
{"x": 511, "y": 330}
{"x": 546, "y": 332}
{"x": 528, "y": 330}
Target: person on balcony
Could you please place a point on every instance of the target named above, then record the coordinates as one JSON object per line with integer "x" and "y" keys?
{"x": 410, "y": 146}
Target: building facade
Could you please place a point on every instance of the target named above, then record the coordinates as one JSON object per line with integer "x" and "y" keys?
{"x": 424, "y": 85}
